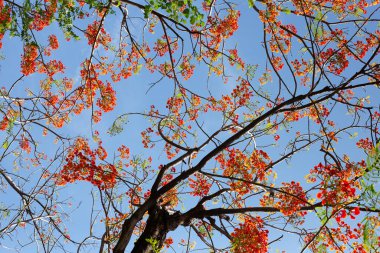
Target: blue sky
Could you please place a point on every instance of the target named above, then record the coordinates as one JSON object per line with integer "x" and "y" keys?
{"x": 133, "y": 96}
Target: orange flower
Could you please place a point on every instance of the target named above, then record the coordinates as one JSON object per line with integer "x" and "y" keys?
{"x": 28, "y": 59}
{"x": 25, "y": 145}
{"x": 250, "y": 237}
{"x": 53, "y": 42}
{"x": 4, "y": 123}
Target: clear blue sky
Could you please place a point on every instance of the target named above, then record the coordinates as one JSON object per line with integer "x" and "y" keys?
{"x": 132, "y": 96}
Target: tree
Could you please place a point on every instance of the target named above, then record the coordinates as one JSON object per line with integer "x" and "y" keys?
{"x": 260, "y": 123}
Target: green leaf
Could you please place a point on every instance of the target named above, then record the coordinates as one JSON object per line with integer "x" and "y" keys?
{"x": 117, "y": 126}
{"x": 319, "y": 15}
{"x": 251, "y": 71}
{"x": 322, "y": 248}
{"x": 138, "y": 68}
{"x": 145, "y": 164}
{"x": 286, "y": 11}
{"x": 322, "y": 214}
{"x": 251, "y": 3}
{"x": 358, "y": 12}
{"x": 6, "y": 213}
{"x": 354, "y": 135}
{"x": 147, "y": 10}
{"x": 186, "y": 12}
{"x": 193, "y": 19}
{"x": 365, "y": 234}
{"x": 5, "y": 144}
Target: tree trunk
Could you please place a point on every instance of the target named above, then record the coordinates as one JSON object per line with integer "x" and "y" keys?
{"x": 159, "y": 223}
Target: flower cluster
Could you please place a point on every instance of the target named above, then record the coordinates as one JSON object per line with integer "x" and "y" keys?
{"x": 124, "y": 152}
{"x": 92, "y": 83}
{"x": 107, "y": 100}
{"x": 226, "y": 27}
{"x": 25, "y": 145}
{"x": 4, "y": 123}
{"x": 187, "y": 69}
{"x": 163, "y": 44}
{"x": 338, "y": 238}
{"x": 365, "y": 144}
{"x": 42, "y": 18}
{"x": 304, "y": 7}
{"x": 201, "y": 185}
{"x": 336, "y": 60}
{"x": 235, "y": 59}
{"x": 81, "y": 165}
{"x": 146, "y": 138}
{"x": 241, "y": 94}
{"x": 174, "y": 104}
{"x": 53, "y": 45}
{"x": 222, "y": 28}
{"x": 240, "y": 165}
{"x": 301, "y": 68}
{"x": 96, "y": 34}
{"x": 51, "y": 68}
{"x": 277, "y": 63}
{"x": 338, "y": 184}
{"x": 280, "y": 37}
{"x": 250, "y": 237}
{"x": 168, "y": 242}
{"x": 28, "y": 59}
{"x": 342, "y": 214}
{"x": 134, "y": 195}
{"x": 270, "y": 14}
{"x": 5, "y": 19}
{"x": 291, "y": 198}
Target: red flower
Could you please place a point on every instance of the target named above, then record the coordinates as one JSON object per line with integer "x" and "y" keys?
{"x": 53, "y": 42}
{"x": 25, "y": 145}
{"x": 4, "y": 124}
{"x": 201, "y": 185}
{"x": 250, "y": 237}
{"x": 28, "y": 59}
{"x": 356, "y": 211}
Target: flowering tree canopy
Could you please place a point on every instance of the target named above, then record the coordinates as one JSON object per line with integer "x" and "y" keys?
{"x": 214, "y": 126}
